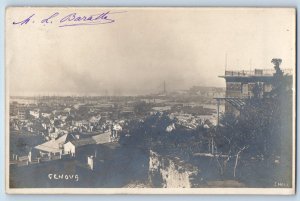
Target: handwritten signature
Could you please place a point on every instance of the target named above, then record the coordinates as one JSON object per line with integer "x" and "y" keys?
{"x": 72, "y": 19}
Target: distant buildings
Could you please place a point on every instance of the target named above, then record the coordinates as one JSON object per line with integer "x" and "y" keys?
{"x": 22, "y": 113}
{"x": 208, "y": 92}
{"x": 35, "y": 113}
{"x": 64, "y": 126}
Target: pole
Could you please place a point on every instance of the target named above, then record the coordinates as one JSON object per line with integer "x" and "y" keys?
{"x": 225, "y": 61}
{"x": 218, "y": 111}
{"x": 212, "y": 145}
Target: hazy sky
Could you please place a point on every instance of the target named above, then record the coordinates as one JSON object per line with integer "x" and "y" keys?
{"x": 141, "y": 49}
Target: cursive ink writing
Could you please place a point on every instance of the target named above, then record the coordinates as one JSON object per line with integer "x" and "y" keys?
{"x": 46, "y": 20}
{"x": 25, "y": 21}
{"x": 73, "y": 19}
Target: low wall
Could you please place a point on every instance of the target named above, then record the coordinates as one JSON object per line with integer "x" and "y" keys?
{"x": 170, "y": 172}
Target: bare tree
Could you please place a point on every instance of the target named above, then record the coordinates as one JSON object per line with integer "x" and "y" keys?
{"x": 237, "y": 159}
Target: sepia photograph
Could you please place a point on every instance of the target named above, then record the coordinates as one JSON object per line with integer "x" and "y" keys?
{"x": 150, "y": 100}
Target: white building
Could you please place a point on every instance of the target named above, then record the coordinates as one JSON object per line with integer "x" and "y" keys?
{"x": 69, "y": 148}
{"x": 35, "y": 113}
{"x": 53, "y": 146}
{"x": 72, "y": 147}
{"x": 45, "y": 115}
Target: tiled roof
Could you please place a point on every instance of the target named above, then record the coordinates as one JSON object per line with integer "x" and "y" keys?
{"x": 83, "y": 142}
{"x": 102, "y": 138}
{"x": 53, "y": 146}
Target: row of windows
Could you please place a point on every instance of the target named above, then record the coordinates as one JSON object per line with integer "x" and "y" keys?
{"x": 247, "y": 88}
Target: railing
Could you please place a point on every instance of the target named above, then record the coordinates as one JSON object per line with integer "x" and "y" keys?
{"x": 257, "y": 72}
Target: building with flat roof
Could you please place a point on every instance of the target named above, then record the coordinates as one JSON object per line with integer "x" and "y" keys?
{"x": 258, "y": 83}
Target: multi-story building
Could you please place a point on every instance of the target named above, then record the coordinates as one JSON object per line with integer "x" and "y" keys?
{"x": 22, "y": 113}
{"x": 243, "y": 85}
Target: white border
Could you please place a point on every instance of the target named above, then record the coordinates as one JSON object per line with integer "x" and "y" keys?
{"x": 217, "y": 191}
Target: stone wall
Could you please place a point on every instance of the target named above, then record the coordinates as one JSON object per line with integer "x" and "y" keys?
{"x": 170, "y": 172}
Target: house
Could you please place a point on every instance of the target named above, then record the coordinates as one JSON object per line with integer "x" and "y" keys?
{"x": 55, "y": 145}
{"x": 95, "y": 119}
{"x": 62, "y": 117}
{"x": 68, "y": 110}
{"x": 69, "y": 148}
{"x": 80, "y": 123}
{"x": 80, "y": 145}
{"x": 116, "y": 128}
{"x": 35, "y": 113}
{"x": 73, "y": 147}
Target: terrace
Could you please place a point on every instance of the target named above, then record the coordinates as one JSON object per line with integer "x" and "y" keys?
{"x": 255, "y": 73}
